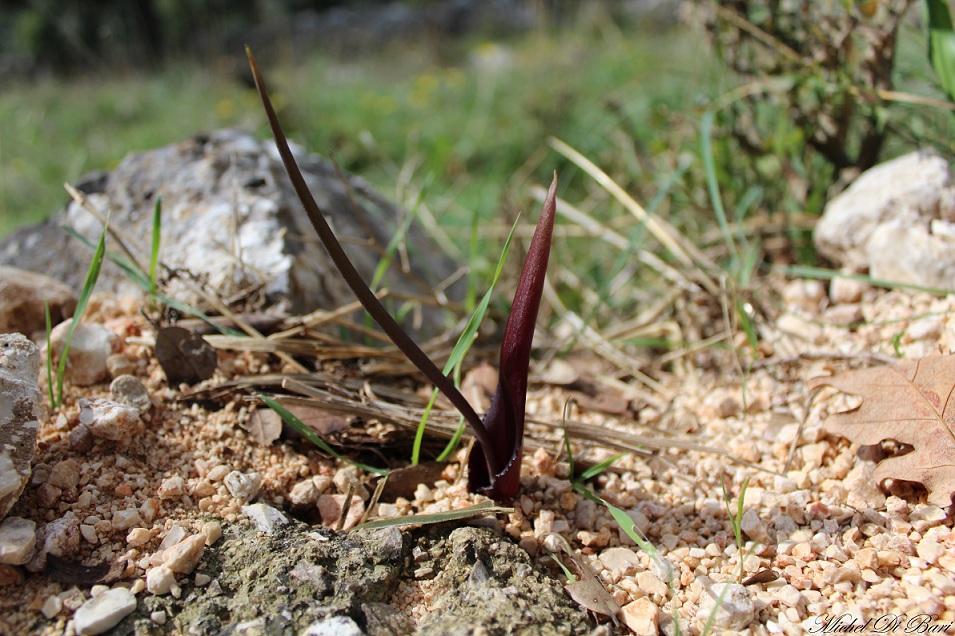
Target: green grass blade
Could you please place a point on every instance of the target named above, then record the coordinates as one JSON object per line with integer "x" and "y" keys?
{"x": 595, "y": 470}
{"x": 941, "y": 38}
{"x": 453, "y": 442}
{"x": 142, "y": 280}
{"x": 712, "y": 183}
{"x": 92, "y": 275}
{"x": 463, "y": 344}
{"x": 154, "y": 252}
{"x": 289, "y": 418}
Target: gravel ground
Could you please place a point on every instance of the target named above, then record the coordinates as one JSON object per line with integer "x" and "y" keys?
{"x": 837, "y": 547}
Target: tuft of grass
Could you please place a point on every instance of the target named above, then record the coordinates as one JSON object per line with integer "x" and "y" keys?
{"x": 736, "y": 519}
{"x": 461, "y": 347}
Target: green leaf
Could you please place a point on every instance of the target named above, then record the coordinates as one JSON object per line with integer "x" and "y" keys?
{"x": 154, "y": 253}
{"x": 941, "y": 42}
{"x": 460, "y": 349}
{"x": 92, "y": 275}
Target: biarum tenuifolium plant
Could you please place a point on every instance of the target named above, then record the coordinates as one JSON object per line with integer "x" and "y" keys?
{"x": 495, "y": 462}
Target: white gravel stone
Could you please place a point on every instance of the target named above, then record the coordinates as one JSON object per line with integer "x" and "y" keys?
{"x": 160, "y": 580}
{"x": 183, "y": 557}
{"x": 90, "y": 346}
{"x": 126, "y": 519}
{"x": 754, "y": 527}
{"x": 304, "y": 493}
{"x": 243, "y": 486}
{"x": 334, "y": 626}
{"x": 266, "y": 518}
{"x": 624, "y": 560}
{"x": 51, "y": 606}
{"x": 172, "y": 488}
{"x": 736, "y": 608}
{"x": 104, "y": 612}
{"x": 642, "y": 617}
{"x": 17, "y": 540}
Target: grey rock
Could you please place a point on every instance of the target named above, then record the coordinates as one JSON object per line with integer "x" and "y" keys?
{"x": 892, "y": 222}
{"x": 301, "y": 577}
{"x": 60, "y": 537}
{"x": 231, "y": 218}
{"x": 485, "y": 580}
{"x": 19, "y": 410}
{"x": 22, "y": 297}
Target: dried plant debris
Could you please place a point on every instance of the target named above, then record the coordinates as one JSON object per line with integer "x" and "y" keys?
{"x": 911, "y": 403}
{"x": 184, "y": 356}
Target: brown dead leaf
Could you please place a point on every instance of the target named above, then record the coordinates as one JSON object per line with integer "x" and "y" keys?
{"x": 912, "y": 403}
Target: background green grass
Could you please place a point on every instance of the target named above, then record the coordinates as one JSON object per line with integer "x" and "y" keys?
{"x": 465, "y": 121}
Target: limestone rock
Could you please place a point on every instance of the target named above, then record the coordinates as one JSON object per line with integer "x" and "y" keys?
{"x": 894, "y": 221}
{"x": 19, "y": 410}
{"x": 17, "y": 540}
{"x": 22, "y": 297}
{"x": 231, "y": 218}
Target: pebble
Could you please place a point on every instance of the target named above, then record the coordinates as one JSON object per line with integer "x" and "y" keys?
{"x": 65, "y": 474}
{"x": 651, "y": 584}
{"x": 118, "y": 364}
{"x": 790, "y": 596}
{"x": 60, "y": 537}
{"x": 126, "y": 519}
{"x": 642, "y": 617}
{"x": 330, "y": 508}
{"x": 17, "y": 540}
{"x": 129, "y": 391}
{"x": 843, "y": 291}
{"x": 90, "y": 346}
{"x": 172, "y": 488}
{"x": 212, "y": 531}
{"x": 138, "y": 537}
{"x": 109, "y": 420}
{"x": 266, "y": 518}
{"x": 104, "y": 612}
{"x": 755, "y": 528}
{"x": 243, "y": 486}
{"x": 624, "y": 560}
{"x": 930, "y": 550}
{"x": 160, "y": 580}
{"x": 334, "y": 626}
{"x": 51, "y": 606}
{"x": 183, "y": 557}
{"x": 304, "y": 494}
{"x": 735, "y": 609}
